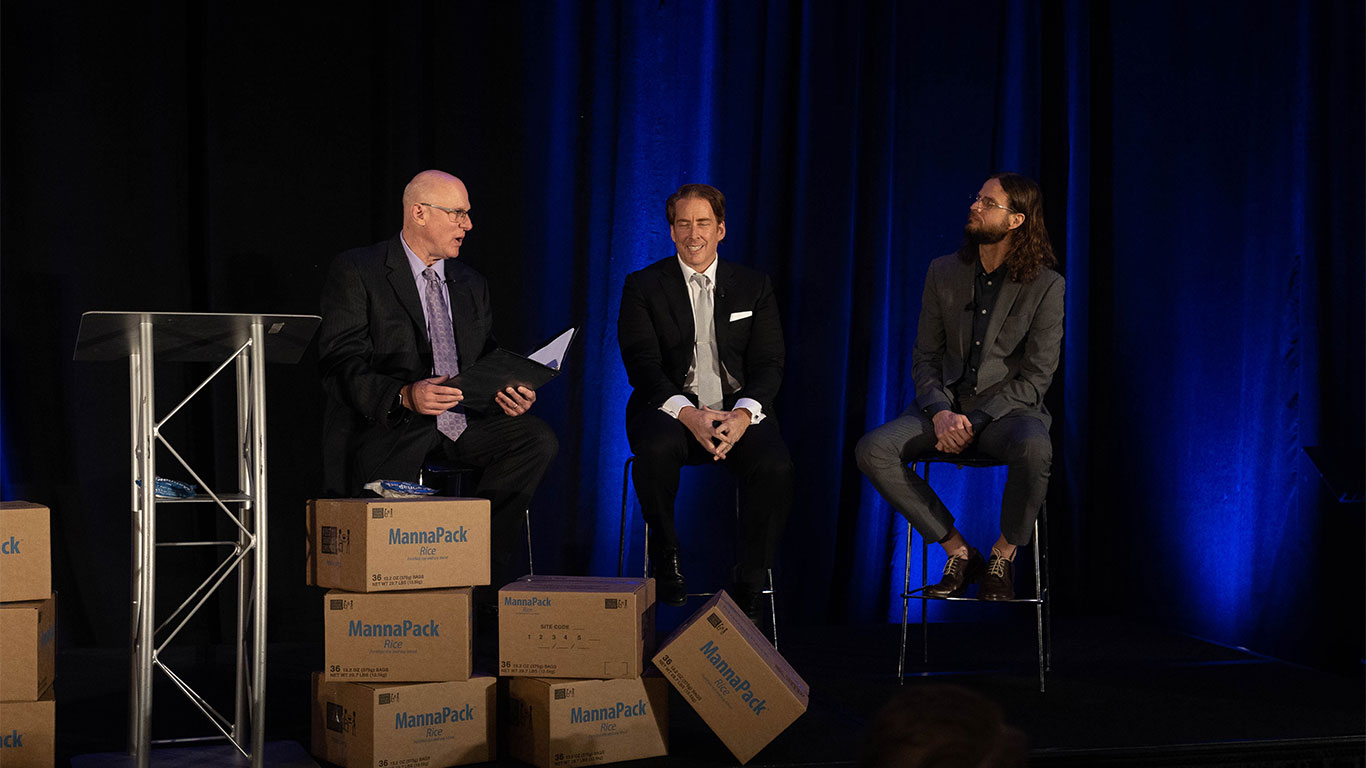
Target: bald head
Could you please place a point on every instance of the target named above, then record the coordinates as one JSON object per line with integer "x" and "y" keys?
{"x": 429, "y": 185}
{"x": 435, "y": 215}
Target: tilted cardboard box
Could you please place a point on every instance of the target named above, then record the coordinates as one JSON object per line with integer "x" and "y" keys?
{"x": 727, "y": 670}
{"x": 575, "y": 626}
{"x": 379, "y": 545}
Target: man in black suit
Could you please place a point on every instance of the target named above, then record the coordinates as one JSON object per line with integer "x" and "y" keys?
{"x": 703, "y": 349}
{"x": 400, "y": 317}
{"x": 990, "y": 334}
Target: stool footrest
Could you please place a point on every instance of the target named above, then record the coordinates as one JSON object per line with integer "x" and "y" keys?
{"x": 1040, "y": 600}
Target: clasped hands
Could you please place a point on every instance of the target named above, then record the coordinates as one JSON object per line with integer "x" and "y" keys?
{"x": 716, "y": 431}
{"x": 430, "y": 397}
{"x": 953, "y": 432}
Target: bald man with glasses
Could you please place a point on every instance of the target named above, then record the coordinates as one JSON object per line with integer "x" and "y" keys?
{"x": 399, "y": 318}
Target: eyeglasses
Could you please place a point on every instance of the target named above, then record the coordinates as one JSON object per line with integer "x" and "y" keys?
{"x": 457, "y": 215}
{"x": 989, "y": 203}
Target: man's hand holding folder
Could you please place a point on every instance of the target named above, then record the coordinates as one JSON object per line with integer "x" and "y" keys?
{"x": 508, "y": 380}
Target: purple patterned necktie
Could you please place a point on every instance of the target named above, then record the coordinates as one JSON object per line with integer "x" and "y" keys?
{"x": 445, "y": 359}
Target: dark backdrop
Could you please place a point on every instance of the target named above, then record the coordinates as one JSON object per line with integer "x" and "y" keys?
{"x": 1202, "y": 170}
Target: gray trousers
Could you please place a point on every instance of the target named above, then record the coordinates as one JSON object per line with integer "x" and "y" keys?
{"x": 1018, "y": 439}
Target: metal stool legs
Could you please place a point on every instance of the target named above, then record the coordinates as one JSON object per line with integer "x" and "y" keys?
{"x": 459, "y": 476}
{"x": 1043, "y": 615}
{"x": 530, "y": 559}
{"x": 770, "y": 591}
{"x": 625, "y": 486}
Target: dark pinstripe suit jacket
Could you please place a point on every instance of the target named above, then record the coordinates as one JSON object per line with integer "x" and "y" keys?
{"x": 373, "y": 341}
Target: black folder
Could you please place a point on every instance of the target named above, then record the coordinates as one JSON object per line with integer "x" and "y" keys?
{"x": 501, "y": 368}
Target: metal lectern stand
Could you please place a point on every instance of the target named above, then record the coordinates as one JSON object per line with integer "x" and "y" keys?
{"x": 250, "y": 340}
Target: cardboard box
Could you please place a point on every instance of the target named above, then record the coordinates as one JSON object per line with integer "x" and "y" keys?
{"x": 377, "y": 545}
{"x": 412, "y": 725}
{"x": 28, "y": 732}
{"x": 568, "y": 723}
{"x": 398, "y": 636}
{"x": 727, "y": 670}
{"x": 573, "y": 626}
{"x": 25, "y": 551}
{"x": 28, "y": 645}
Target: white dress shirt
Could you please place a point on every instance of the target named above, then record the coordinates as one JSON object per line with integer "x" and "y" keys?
{"x": 677, "y": 403}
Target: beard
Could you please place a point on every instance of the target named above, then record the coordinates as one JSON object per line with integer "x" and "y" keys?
{"x": 981, "y": 234}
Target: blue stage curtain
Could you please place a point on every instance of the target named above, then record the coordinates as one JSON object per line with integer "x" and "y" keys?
{"x": 1183, "y": 165}
{"x": 1201, "y": 167}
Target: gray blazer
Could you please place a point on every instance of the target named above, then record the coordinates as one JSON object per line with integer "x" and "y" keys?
{"x": 1022, "y": 344}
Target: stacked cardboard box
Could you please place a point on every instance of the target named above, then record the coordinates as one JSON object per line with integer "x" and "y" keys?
{"x": 28, "y": 636}
{"x": 398, "y": 685}
{"x": 575, "y": 650}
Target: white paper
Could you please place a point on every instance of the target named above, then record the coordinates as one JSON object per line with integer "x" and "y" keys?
{"x": 552, "y": 354}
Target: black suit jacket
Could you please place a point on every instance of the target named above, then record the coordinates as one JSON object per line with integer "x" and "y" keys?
{"x": 655, "y": 332}
{"x": 372, "y": 342}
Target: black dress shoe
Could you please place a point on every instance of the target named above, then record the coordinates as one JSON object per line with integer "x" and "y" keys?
{"x": 999, "y": 583}
{"x": 669, "y": 586}
{"x": 750, "y": 600}
{"x": 959, "y": 572}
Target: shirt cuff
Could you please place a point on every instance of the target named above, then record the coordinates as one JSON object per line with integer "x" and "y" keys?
{"x": 978, "y": 419}
{"x": 396, "y": 414}
{"x": 673, "y": 405}
{"x": 756, "y": 411}
{"x": 933, "y": 408}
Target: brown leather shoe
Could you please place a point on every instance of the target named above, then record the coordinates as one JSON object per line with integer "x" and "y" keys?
{"x": 999, "y": 583}
{"x": 959, "y": 572}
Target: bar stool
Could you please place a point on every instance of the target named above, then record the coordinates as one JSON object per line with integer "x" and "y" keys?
{"x": 1042, "y": 609}
{"x": 454, "y": 477}
{"x": 770, "y": 592}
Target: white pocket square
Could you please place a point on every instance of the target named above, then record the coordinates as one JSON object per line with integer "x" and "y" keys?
{"x": 740, "y": 315}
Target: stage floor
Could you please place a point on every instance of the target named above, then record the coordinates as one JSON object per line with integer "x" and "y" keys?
{"x": 1119, "y": 693}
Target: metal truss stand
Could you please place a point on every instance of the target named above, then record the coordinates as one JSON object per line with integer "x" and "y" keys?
{"x": 146, "y": 338}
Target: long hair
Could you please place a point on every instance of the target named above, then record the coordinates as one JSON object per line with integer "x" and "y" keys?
{"x": 1031, "y": 252}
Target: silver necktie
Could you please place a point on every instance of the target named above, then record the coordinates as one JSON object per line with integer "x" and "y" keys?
{"x": 707, "y": 363}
